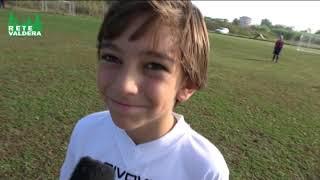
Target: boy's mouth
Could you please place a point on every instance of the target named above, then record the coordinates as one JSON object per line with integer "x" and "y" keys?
{"x": 121, "y": 103}
{"x": 123, "y": 106}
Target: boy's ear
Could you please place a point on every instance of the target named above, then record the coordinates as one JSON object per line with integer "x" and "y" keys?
{"x": 186, "y": 91}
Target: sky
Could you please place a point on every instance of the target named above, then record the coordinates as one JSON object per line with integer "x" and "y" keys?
{"x": 298, "y": 14}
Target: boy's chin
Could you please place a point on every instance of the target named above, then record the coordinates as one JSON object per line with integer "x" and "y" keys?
{"x": 127, "y": 123}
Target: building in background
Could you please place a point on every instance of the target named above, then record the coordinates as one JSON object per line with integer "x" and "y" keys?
{"x": 245, "y": 21}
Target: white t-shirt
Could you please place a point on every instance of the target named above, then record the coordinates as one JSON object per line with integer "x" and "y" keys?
{"x": 181, "y": 154}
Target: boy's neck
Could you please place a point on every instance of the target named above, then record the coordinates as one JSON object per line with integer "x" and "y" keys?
{"x": 152, "y": 131}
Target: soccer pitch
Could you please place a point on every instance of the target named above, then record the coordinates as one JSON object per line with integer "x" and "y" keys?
{"x": 264, "y": 117}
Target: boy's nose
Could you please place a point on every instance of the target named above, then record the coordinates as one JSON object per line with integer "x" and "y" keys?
{"x": 128, "y": 84}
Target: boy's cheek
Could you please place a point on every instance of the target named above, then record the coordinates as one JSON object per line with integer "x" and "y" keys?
{"x": 104, "y": 75}
{"x": 160, "y": 92}
{"x": 101, "y": 89}
{"x": 103, "y": 80}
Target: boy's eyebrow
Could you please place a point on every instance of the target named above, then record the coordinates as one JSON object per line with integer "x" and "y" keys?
{"x": 159, "y": 55}
{"x": 106, "y": 44}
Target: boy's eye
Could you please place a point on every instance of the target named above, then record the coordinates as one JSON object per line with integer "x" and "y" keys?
{"x": 110, "y": 59}
{"x": 155, "y": 66}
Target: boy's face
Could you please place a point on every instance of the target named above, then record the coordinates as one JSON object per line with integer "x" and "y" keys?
{"x": 140, "y": 82}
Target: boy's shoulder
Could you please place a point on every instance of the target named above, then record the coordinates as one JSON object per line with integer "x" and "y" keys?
{"x": 94, "y": 118}
{"x": 93, "y": 122}
{"x": 198, "y": 151}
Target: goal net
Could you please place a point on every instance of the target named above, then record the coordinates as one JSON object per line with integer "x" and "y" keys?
{"x": 71, "y": 7}
{"x": 309, "y": 43}
{"x": 65, "y": 7}
{"x": 60, "y": 6}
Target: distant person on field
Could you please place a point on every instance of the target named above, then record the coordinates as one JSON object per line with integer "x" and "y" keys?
{"x": 277, "y": 49}
{"x": 152, "y": 56}
{"x": 1, "y": 3}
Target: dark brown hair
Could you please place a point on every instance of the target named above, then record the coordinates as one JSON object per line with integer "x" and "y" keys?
{"x": 183, "y": 18}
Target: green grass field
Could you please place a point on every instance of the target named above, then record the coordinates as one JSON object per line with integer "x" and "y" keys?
{"x": 264, "y": 117}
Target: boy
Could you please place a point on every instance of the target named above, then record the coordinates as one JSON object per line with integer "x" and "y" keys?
{"x": 152, "y": 56}
{"x": 277, "y": 49}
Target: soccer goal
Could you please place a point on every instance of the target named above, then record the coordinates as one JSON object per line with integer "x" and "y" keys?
{"x": 66, "y": 7}
{"x": 57, "y": 6}
{"x": 309, "y": 43}
{"x": 69, "y": 7}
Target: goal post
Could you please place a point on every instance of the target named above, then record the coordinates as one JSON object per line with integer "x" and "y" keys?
{"x": 61, "y": 6}
{"x": 309, "y": 43}
{"x": 69, "y": 7}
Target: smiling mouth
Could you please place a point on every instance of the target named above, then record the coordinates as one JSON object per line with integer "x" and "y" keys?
{"x": 125, "y": 105}
{"x": 122, "y": 104}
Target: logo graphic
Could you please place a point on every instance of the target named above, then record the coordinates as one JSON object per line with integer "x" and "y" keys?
{"x": 24, "y": 29}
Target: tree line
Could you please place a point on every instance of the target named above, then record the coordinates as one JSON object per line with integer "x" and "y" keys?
{"x": 266, "y": 28}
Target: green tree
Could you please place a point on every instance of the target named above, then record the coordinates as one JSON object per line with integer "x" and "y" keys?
{"x": 263, "y": 28}
{"x": 266, "y": 22}
{"x": 317, "y": 32}
{"x": 236, "y": 22}
{"x": 213, "y": 24}
{"x": 279, "y": 26}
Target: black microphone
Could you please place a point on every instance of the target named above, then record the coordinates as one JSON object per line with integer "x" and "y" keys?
{"x": 90, "y": 169}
